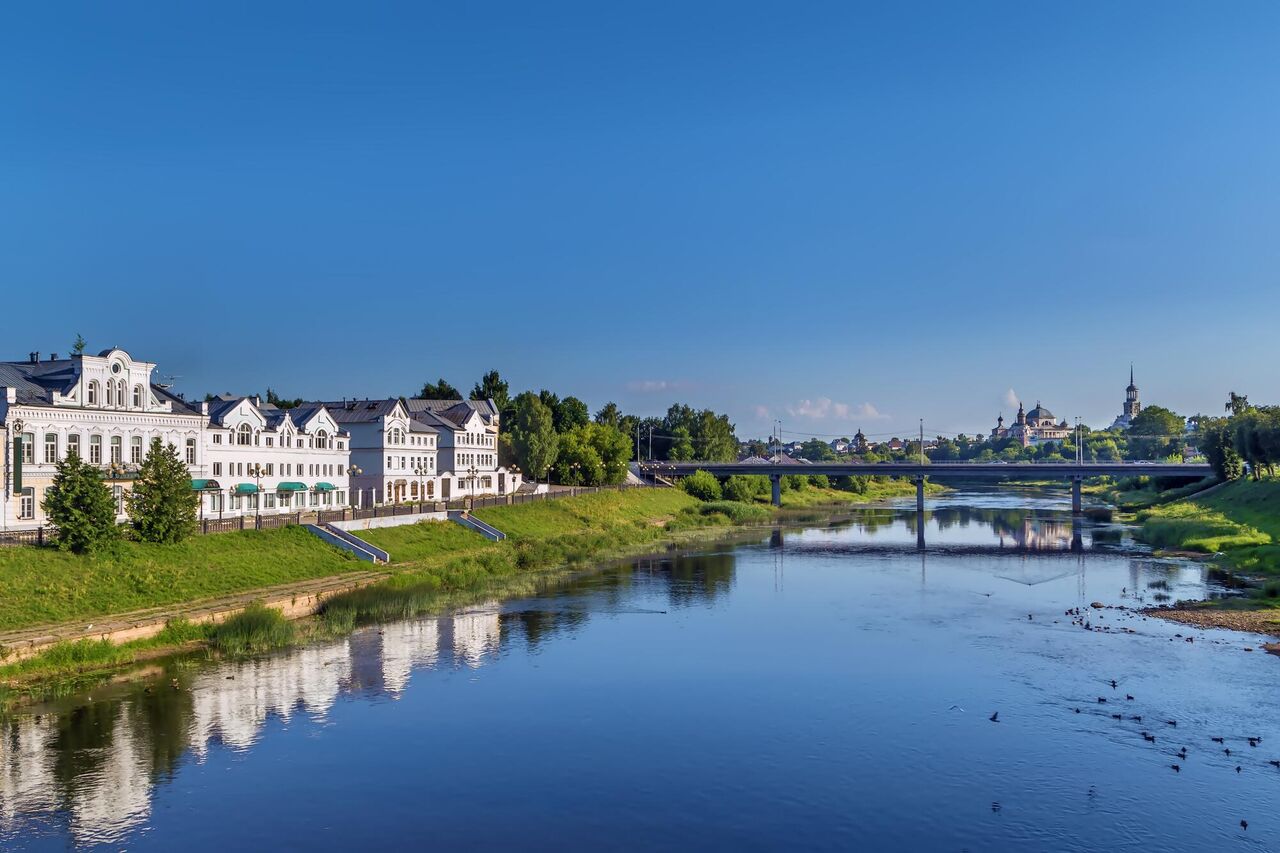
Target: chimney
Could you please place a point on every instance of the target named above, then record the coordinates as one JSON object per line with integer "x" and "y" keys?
{"x": 35, "y": 357}
{"x": 53, "y": 356}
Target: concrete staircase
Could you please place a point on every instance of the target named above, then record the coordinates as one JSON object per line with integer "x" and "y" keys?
{"x": 470, "y": 522}
{"x": 351, "y": 544}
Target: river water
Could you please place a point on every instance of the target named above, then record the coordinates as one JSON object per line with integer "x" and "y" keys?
{"x": 820, "y": 687}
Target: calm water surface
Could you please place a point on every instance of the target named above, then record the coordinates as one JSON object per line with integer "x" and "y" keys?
{"x": 826, "y": 687}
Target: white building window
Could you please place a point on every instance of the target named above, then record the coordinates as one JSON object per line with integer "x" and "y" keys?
{"x": 50, "y": 447}
{"x": 27, "y": 503}
{"x": 91, "y": 395}
{"x": 217, "y": 438}
{"x": 269, "y": 500}
{"x": 117, "y": 494}
{"x": 135, "y": 450}
{"x": 322, "y": 440}
{"x": 244, "y": 435}
{"x": 95, "y": 450}
{"x": 73, "y": 444}
{"x": 191, "y": 451}
{"x": 120, "y": 394}
{"x": 217, "y": 469}
{"x": 137, "y": 396}
{"x": 117, "y": 449}
{"x": 28, "y": 448}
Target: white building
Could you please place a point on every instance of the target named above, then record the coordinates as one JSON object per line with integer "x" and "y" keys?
{"x": 259, "y": 459}
{"x": 103, "y": 407}
{"x": 467, "y": 433}
{"x": 395, "y": 457}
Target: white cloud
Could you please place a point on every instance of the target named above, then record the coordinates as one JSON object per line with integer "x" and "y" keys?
{"x": 762, "y": 412}
{"x": 648, "y": 386}
{"x": 824, "y": 408}
{"x": 1011, "y": 399}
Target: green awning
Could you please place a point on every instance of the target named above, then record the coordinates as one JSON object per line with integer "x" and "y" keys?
{"x": 205, "y": 486}
{"x": 291, "y": 487}
{"x": 246, "y": 489}
{"x": 324, "y": 487}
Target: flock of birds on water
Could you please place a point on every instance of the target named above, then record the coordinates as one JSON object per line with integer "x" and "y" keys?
{"x": 1079, "y": 616}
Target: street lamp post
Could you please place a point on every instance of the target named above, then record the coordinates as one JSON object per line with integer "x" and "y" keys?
{"x": 420, "y": 469}
{"x": 352, "y": 471}
{"x": 256, "y": 471}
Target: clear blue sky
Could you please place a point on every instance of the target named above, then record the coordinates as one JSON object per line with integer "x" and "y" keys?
{"x": 902, "y": 209}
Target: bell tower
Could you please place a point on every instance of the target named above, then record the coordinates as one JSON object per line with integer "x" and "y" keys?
{"x": 1131, "y": 404}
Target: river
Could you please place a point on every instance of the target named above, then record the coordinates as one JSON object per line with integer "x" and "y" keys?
{"x": 824, "y": 687}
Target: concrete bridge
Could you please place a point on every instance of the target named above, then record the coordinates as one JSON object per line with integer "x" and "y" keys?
{"x": 1074, "y": 472}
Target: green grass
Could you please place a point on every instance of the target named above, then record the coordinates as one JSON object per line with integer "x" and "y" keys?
{"x": 254, "y": 630}
{"x": 1129, "y": 496}
{"x": 43, "y": 585}
{"x": 81, "y": 656}
{"x": 1238, "y": 521}
{"x": 814, "y": 496}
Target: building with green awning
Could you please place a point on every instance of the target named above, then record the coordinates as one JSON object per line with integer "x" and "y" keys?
{"x": 324, "y": 487}
{"x": 205, "y": 486}
{"x": 246, "y": 489}
{"x": 291, "y": 487}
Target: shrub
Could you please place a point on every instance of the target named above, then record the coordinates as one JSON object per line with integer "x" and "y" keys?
{"x": 821, "y": 481}
{"x": 703, "y": 486}
{"x": 795, "y": 482}
{"x": 745, "y": 487}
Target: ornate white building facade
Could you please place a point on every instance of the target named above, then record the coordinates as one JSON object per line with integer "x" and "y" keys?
{"x": 105, "y": 408}
{"x": 260, "y": 459}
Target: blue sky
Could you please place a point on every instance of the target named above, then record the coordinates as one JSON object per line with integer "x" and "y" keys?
{"x": 841, "y": 215}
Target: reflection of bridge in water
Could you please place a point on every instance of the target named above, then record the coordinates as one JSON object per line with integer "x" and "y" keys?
{"x": 1014, "y": 532}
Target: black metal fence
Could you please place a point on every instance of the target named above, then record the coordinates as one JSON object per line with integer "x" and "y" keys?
{"x": 47, "y": 535}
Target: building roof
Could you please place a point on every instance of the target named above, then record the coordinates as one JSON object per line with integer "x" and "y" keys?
{"x": 357, "y": 411}
{"x": 1040, "y": 412}
{"x": 456, "y": 411}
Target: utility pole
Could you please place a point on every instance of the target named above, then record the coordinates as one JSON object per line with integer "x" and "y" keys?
{"x": 650, "y": 443}
{"x": 922, "y": 441}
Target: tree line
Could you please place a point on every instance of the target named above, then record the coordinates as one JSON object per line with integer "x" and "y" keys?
{"x": 549, "y": 437}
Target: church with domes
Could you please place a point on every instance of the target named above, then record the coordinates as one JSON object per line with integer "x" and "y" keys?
{"x": 1033, "y": 427}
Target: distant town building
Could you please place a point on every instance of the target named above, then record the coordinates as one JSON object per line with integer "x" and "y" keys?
{"x": 1131, "y": 405}
{"x": 1032, "y": 427}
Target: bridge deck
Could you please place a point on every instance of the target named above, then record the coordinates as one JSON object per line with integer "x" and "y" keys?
{"x": 939, "y": 470}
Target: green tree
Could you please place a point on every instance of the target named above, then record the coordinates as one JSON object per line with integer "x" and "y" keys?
{"x": 681, "y": 446}
{"x": 577, "y": 462}
{"x": 1237, "y": 404}
{"x": 492, "y": 387}
{"x": 1155, "y": 433}
{"x": 280, "y": 402}
{"x": 609, "y": 414}
{"x": 80, "y": 505}
{"x": 162, "y": 505}
{"x": 77, "y": 348}
{"x": 1215, "y": 438}
{"x": 745, "y": 487}
{"x": 439, "y": 390}
{"x": 532, "y": 435}
{"x": 569, "y": 414}
{"x": 702, "y": 485}
{"x": 817, "y": 450}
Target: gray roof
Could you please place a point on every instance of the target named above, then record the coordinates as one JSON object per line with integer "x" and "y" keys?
{"x": 357, "y": 411}
{"x": 456, "y": 411}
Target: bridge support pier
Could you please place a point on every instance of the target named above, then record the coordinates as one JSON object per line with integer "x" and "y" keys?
{"x": 775, "y": 480}
{"x": 920, "y": 512}
{"x": 1076, "y": 503}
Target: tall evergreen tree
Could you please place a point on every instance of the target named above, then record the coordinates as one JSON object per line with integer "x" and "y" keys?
{"x": 492, "y": 387}
{"x": 162, "y": 505}
{"x": 80, "y": 505}
{"x": 533, "y": 437}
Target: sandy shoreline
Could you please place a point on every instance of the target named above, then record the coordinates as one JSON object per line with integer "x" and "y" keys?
{"x": 1204, "y": 616}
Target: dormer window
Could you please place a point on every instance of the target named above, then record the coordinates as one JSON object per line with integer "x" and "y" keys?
{"x": 137, "y": 396}
{"x": 92, "y": 394}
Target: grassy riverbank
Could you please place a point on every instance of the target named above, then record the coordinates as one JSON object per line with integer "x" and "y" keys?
{"x": 435, "y": 564}
{"x": 819, "y": 496}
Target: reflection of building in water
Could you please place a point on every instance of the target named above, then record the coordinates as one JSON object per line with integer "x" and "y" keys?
{"x": 96, "y": 764}
{"x": 476, "y": 633}
{"x": 233, "y": 701}
{"x": 406, "y": 646}
{"x": 107, "y": 803}
{"x": 1034, "y": 534}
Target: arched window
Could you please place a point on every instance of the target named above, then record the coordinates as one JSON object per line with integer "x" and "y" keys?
{"x": 137, "y": 396}
{"x": 120, "y": 393}
{"x": 257, "y": 438}
{"x": 244, "y": 435}
{"x": 111, "y": 392}
{"x": 92, "y": 394}
{"x": 322, "y": 440}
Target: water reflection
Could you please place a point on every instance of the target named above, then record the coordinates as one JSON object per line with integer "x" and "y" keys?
{"x": 87, "y": 770}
